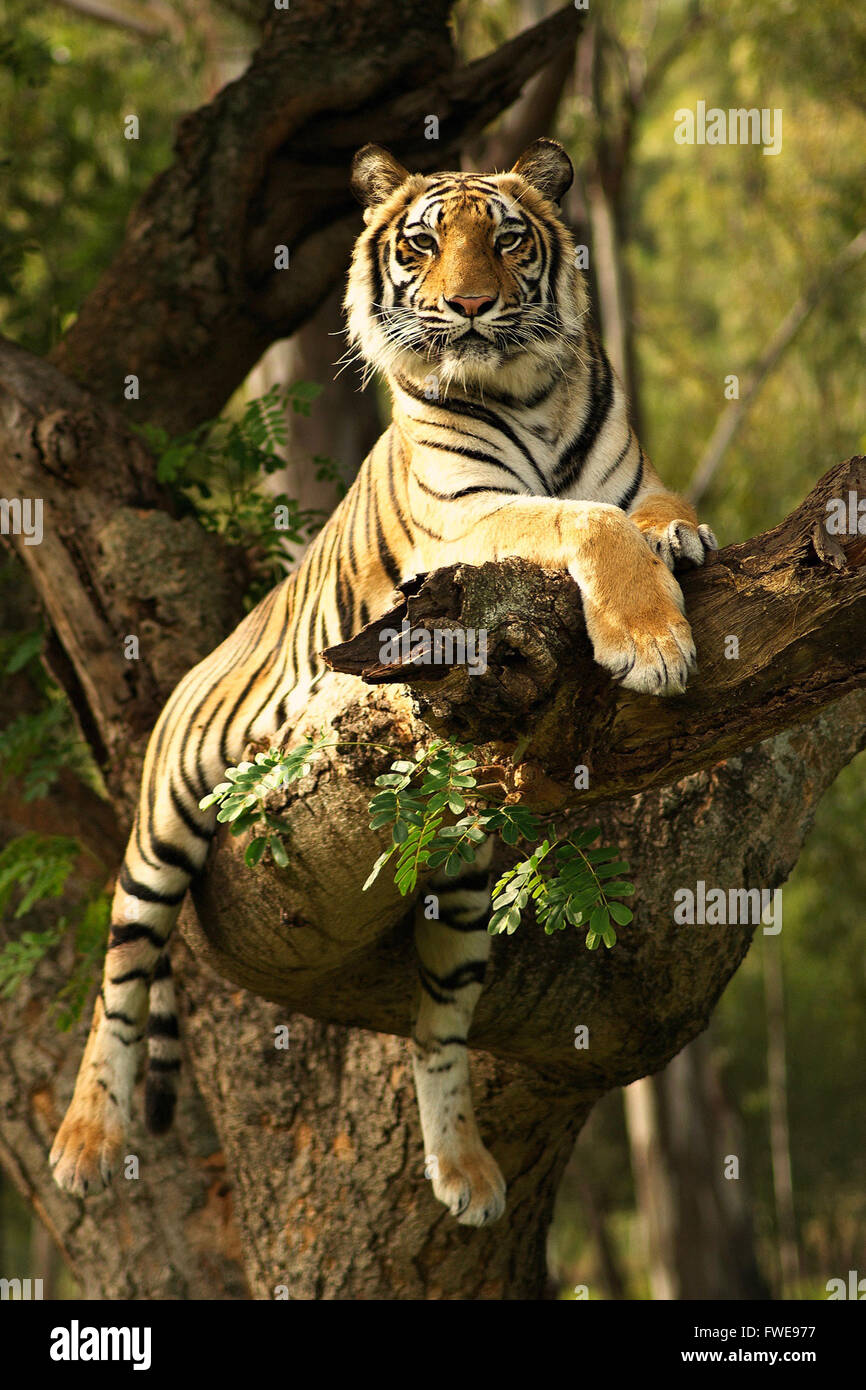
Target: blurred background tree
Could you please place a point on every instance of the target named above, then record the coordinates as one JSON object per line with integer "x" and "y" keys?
{"x": 698, "y": 255}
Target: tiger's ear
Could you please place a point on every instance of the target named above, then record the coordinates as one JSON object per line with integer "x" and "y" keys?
{"x": 547, "y": 167}
{"x": 375, "y": 175}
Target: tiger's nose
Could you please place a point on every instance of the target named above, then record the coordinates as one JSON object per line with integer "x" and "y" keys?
{"x": 470, "y": 304}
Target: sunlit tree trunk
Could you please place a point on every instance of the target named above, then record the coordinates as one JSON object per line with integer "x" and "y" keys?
{"x": 777, "y": 1097}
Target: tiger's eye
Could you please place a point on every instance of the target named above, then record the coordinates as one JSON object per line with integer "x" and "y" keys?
{"x": 510, "y": 241}
{"x": 422, "y": 242}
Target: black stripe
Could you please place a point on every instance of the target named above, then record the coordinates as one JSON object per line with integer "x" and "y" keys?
{"x": 470, "y": 926}
{"x": 204, "y": 781}
{"x": 163, "y": 969}
{"x": 464, "y": 492}
{"x": 510, "y": 402}
{"x": 163, "y": 1064}
{"x": 392, "y": 492}
{"x": 373, "y": 263}
{"x": 425, "y": 530}
{"x": 116, "y": 1013}
{"x": 572, "y": 460}
{"x": 344, "y": 606}
{"x": 386, "y": 555}
{"x": 148, "y": 895}
{"x": 631, "y": 492}
{"x": 162, "y": 1026}
{"x": 130, "y": 975}
{"x": 225, "y": 751}
{"x": 434, "y": 993}
{"x": 173, "y": 855}
{"x": 609, "y": 472}
{"x": 461, "y": 451}
{"x": 121, "y": 935}
{"x": 186, "y": 815}
{"x": 471, "y": 972}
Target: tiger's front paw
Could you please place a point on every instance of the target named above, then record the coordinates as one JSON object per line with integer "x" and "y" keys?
{"x": 88, "y": 1147}
{"x": 681, "y": 544}
{"x": 645, "y": 642}
{"x": 470, "y": 1185}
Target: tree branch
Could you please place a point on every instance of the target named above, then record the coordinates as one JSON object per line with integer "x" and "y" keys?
{"x": 144, "y": 21}
{"x": 794, "y": 599}
{"x": 112, "y": 560}
{"x": 309, "y": 939}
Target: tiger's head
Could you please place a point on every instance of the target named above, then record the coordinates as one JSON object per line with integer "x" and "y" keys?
{"x": 469, "y": 278}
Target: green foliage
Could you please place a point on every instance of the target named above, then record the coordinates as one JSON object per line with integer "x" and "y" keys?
{"x": 583, "y": 891}
{"x": 568, "y": 882}
{"x": 218, "y": 469}
{"x": 19, "y": 959}
{"x": 241, "y": 798}
{"x": 34, "y": 869}
{"x": 69, "y": 178}
{"x": 37, "y": 745}
{"x": 432, "y": 809}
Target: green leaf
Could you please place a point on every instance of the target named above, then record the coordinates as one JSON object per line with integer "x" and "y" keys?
{"x": 621, "y": 914}
{"x": 599, "y": 921}
{"x": 254, "y": 850}
{"x": 377, "y": 867}
{"x": 278, "y": 852}
{"x": 27, "y": 647}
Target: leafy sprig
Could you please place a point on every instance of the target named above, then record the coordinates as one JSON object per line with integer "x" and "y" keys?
{"x": 218, "y": 469}
{"x": 438, "y": 820}
{"x": 568, "y": 879}
{"x": 242, "y": 796}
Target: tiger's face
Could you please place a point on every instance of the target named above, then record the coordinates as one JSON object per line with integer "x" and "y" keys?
{"x": 464, "y": 277}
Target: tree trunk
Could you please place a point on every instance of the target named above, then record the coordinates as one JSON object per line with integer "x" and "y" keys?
{"x": 694, "y": 1205}
{"x": 780, "y": 1142}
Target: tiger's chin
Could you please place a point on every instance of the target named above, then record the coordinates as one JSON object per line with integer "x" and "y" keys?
{"x": 478, "y": 365}
{"x": 474, "y": 363}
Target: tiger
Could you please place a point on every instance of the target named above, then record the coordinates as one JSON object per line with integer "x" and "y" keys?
{"x": 510, "y": 435}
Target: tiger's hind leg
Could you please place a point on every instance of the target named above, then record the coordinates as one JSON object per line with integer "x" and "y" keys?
{"x": 89, "y": 1143}
{"x": 453, "y": 951}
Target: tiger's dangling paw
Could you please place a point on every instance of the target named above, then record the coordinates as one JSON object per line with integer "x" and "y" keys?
{"x": 681, "y": 543}
{"x": 469, "y": 1184}
{"x": 89, "y": 1144}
